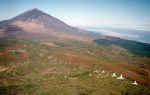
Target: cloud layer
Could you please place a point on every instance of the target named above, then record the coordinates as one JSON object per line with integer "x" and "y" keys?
{"x": 116, "y": 34}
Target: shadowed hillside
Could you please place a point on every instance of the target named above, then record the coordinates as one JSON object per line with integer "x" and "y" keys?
{"x": 141, "y": 49}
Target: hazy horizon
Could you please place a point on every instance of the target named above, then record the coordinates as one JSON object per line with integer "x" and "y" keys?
{"x": 122, "y": 13}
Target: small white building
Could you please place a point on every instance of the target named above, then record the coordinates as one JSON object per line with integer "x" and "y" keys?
{"x": 114, "y": 75}
{"x": 121, "y": 77}
{"x": 96, "y": 71}
{"x": 135, "y": 83}
{"x": 103, "y": 71}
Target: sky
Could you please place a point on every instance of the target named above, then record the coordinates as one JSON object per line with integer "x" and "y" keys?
{"x": 87, "y": 13}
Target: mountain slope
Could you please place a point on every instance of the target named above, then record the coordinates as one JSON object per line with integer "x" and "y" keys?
{"x": 41, "y": 25}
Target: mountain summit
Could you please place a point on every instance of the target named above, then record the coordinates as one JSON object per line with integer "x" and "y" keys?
{"x": 31, "y": 14}
{"x": 49, "y": 22}
{"x": 35, "y": 22}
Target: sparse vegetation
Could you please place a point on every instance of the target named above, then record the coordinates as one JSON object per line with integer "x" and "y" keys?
{"x": 49, "y": 70}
